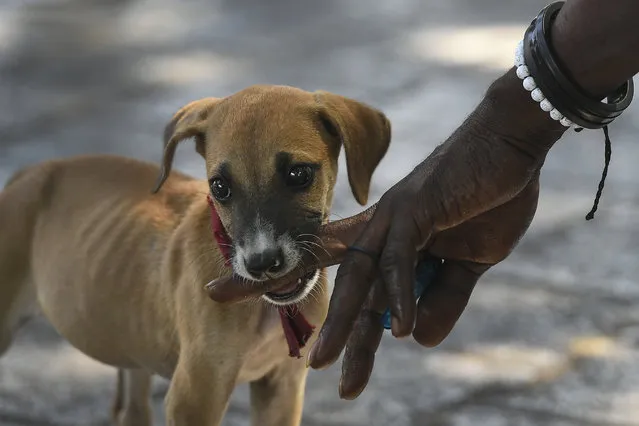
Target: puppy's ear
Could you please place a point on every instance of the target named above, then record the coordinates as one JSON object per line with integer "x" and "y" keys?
{"x": 364, "y": 132}
{"x": 189, "y": 122}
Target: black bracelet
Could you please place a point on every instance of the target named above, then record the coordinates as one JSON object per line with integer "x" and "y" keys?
{"x": 557, "y": 86}
{"x": 558, "y": 94}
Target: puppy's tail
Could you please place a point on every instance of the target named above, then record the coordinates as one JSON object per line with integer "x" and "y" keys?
{"x": 18, "y": 212}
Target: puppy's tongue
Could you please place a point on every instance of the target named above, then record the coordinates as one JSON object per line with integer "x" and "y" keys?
{"x": 288, "y": 288}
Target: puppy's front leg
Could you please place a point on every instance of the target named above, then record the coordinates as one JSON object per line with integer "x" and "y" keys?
{"x": 277, "y": 399}
{"x": 199, "y": 392}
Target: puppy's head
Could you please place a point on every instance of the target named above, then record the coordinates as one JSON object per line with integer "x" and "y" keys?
{"x": 271, "y": 159}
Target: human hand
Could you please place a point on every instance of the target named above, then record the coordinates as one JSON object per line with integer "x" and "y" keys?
{"x": 469, "y": 203}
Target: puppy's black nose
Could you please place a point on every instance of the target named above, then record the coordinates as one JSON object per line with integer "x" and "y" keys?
{"x": 268, "y": 261}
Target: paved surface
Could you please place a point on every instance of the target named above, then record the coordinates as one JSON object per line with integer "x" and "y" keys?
{"x": 551, "y": 335}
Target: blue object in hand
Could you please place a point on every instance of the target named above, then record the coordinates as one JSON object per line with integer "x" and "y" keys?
{"x": 424, "y": 275}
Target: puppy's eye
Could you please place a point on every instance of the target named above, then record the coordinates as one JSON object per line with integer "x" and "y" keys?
{"x": 220, "y": 189}
{"x": 299, "y": 176}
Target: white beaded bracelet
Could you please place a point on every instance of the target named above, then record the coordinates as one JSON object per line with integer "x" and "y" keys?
{"x": 535, "y": 92}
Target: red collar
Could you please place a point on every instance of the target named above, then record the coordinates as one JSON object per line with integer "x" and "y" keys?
{"x": 297, "y": 329}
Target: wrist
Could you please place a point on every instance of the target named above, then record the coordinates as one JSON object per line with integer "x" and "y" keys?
{"x": 508, "y": 111}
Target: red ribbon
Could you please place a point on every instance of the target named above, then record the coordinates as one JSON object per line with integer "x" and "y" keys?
{"x": 297, "y": 330}
{"x": 221, "y": 237}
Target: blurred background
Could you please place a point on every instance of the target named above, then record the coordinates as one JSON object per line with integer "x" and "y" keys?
{"x": 550, "y": 337}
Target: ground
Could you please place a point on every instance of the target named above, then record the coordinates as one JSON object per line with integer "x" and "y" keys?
{"x": 550, "y": 337}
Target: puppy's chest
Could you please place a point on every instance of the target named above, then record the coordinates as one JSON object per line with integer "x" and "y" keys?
{"x": 267, "y": 348}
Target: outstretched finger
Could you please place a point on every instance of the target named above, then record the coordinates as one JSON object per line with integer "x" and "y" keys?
{"x": 359, "y": 355}
{"x": 397, "y": 267}
{"x": 443, "y": 302}
{"x": 352, "y": 285}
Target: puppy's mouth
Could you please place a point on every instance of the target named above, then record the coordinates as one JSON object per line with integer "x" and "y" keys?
{"x": 295, "y": 291}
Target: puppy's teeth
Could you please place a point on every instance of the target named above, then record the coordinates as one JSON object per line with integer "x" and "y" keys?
{"x": 299, "y": 281}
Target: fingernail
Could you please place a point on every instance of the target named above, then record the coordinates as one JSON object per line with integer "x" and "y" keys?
{"x": 313, "y": 352}
{"x": 313, "y": 355}
{"x": 396, "y": 327}
{"x": 348, "y": 397}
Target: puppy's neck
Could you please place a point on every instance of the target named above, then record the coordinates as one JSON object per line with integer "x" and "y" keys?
{"x": 194, "y": 245}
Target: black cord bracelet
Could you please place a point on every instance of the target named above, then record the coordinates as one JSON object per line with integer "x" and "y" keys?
{"x": 561, "y": 90}
{"x": 558, "y": 94}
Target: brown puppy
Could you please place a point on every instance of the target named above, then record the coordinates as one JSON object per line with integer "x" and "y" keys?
{"x": 119, "y": 271}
